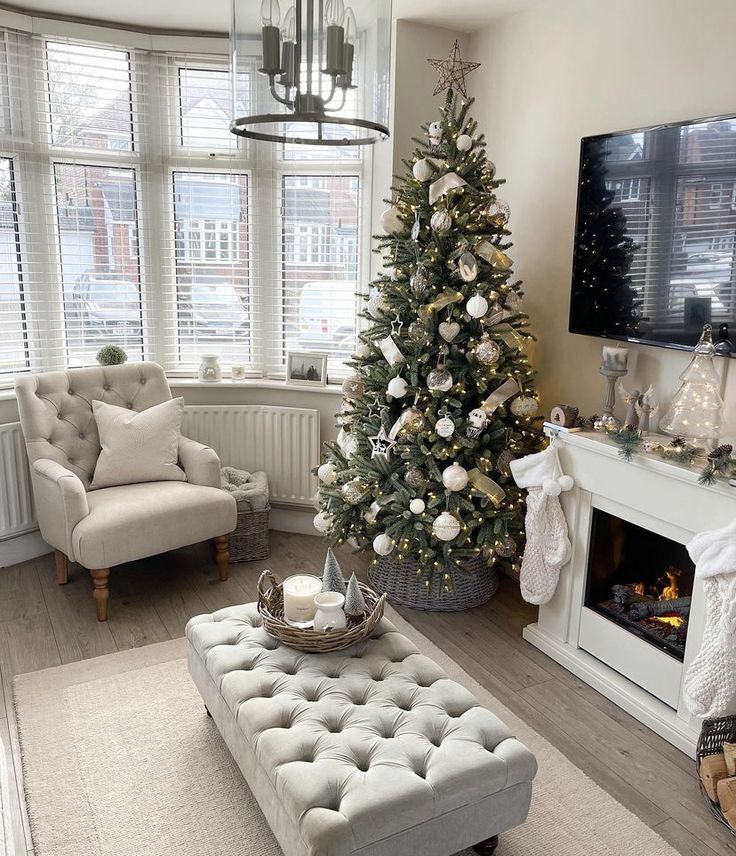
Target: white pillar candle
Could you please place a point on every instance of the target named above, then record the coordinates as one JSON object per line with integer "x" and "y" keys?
{"x": 299, "y": 591}
{"x": 615, "y": 359}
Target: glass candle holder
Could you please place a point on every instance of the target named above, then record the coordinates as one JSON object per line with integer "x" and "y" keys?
{"x": 237, "y": 372}
{"x": 299, "y": 591}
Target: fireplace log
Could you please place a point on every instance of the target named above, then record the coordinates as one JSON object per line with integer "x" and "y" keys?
{"x": 727, "y": 798}
{"x": 729, "y": 753}
{"x": 660, "y": 607}
{"x": 713, "y": 769}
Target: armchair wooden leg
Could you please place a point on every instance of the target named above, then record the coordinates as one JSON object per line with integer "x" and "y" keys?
{"x": 101, "y": 592}
{"x": 222, "y": 555}
{"x": 62, "y": 567}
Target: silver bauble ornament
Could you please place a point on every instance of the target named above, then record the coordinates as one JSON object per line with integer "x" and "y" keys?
{"x": 499, "y": 212}
{"x": 383, "y": 544}
{"x": 327, "y": 473}
{"x": 439, "y": 380}
{"x": 464, "y": 143}
{"x": 353, "y": 387}
{"x": 524, "y": 406}
{"x": 487, "y": 351}
{"x": 455, "y": 477}
{"x": 419, "y": 282}
{"x": 349, "y": 445}
{"x": 397, "y": 387}
{"x": 490, "y": 168}
{"x": 505, "y": 547}
{"x": 353, "y": 491}
{"x": 441, "y": 222}
{"x": 477, "y": 306}
{"x": 418, "y": 331}
{"x": 417, "y": 506}
{"x": 423, "y": 170}
{"x": 391, "y": 221}
{"x": 467, "y": 266}
{"x": 415, "y": 478}
{"x": 362, "y": 350}
{"x": 445, "y": 427}
{"x": 446, "y": 526}
{"x": 322, "y": 522}
{"x": 377, "y": 304}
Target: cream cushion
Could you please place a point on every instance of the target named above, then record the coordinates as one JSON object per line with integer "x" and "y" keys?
{"x": 372, "y": 750}
{"x": 138, "y": 447}
{"x": 132, "y": 521}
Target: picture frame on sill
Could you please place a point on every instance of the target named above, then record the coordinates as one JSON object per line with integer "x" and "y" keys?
{"x": 306, "y": 368}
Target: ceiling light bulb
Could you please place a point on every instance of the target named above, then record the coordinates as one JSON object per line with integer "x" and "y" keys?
{"x": 270, "y": 13}
{"x": 334, "y": 13}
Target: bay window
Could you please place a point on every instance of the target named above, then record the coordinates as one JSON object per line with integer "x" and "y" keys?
{"x": 130, "y": 215}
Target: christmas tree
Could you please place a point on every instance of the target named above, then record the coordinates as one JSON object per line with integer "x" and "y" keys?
{"x": 442, "y": 397}
{"x": 696, "y": 410}
{"x": 603, "y": 298}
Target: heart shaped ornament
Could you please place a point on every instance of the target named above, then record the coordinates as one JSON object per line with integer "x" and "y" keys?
{"x": 449, "y": 330}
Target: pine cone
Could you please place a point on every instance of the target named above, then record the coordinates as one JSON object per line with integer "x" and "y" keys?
{"x": 722, "y": 451}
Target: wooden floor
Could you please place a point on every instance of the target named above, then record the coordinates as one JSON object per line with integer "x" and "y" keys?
{"x": 42, "y": 624}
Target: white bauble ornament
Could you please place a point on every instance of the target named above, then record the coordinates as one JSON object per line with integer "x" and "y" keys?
{"x": 435, "y": 134}
{"x": 391, "y": 221}
{"x": 477, "y": 306}
{"x": 464, "y": 143}
{"x": 448, "y": 330}
{"x": 417, "y": 506}
{"x": 353, "y": 386}
{"x": 377, "y": 304}
{"x": 349, "y": 445}
{"x": 445, "y": 427}
{"x": 467, "y": 266}
{"x": 397, "y": 387}
{"x": 439, "y": 380}
{"x": 327, "y": 474}
{"x": 487, "y": 351}
{"x": 455, "y": 477}
{"x": 363, "y": 350}
{"x": 423, "y": 170}
{"x": 441, "y": 222}
{"x": 383, "y": 544}
{"x": 322, "y": 522}
{"x": 524, "y": 406}
{"x": 353, "y": 491}
{"x": 446, "y": 526}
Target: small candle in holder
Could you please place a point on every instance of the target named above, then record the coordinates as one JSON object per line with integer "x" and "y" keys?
{"x": 237, "y": 372}
{"x": 299, "y": 591}
{"x": 615, "y": 359}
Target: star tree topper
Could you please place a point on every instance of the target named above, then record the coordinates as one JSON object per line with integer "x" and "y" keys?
{"x": 453, "y": 71}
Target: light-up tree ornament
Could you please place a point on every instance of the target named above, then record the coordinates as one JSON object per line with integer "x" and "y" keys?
{"x": 696, "y": 410}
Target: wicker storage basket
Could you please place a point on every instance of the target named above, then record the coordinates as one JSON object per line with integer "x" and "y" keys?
{"x": 271, "y": 608}
{"x": 249, "y": 541}
{"x": 474, "y": 585}
{"x": 713, "y": 734}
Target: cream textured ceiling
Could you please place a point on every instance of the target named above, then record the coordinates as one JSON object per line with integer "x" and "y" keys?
{"x": 213, "y": 16}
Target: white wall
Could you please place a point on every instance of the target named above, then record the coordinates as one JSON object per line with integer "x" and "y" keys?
{"x": 565, "y": 69}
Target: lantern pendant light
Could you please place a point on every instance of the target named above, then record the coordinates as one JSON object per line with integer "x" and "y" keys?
{"x": 326, "y": 68}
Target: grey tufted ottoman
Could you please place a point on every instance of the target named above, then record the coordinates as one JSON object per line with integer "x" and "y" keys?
{"x": 372, "y": 750}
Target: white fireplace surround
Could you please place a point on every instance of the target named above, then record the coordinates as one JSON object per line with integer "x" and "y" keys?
{"x": 659, "y": 496}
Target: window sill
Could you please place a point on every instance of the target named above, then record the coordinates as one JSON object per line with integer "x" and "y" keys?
{"x": 252, "y": 383}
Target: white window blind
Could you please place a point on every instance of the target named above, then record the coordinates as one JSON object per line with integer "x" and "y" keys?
{"x": 130, "y": 215}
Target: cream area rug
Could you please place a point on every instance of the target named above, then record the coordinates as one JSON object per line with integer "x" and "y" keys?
{"x": 120, "y": 759}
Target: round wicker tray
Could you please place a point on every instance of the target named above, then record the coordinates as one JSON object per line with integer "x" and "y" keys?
{"x": 271, "y": 608}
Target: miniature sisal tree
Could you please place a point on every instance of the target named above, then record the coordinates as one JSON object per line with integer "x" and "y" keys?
{"x": 442, "y": 396}
{"x": 354, "y": 601}
{"x": 332, "y": 578}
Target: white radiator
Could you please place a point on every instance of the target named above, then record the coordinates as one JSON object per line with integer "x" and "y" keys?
{"x": 17, "y": 514}
{"x": 283, "y": 441}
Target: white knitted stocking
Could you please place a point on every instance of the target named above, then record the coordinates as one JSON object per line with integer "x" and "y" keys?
{"x": 710, "y": 682}
{"x": 547, "y": 547}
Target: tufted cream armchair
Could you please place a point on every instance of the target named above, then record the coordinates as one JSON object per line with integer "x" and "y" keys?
{"x": 110, "y": 526}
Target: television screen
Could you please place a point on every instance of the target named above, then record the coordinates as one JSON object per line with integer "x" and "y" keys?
{"x": 654, "y": 239}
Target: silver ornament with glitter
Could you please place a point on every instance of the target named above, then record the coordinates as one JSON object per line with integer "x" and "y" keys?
{"x": 418, "y": 331}
{"x": 353, "y": 386}
{"x": 441, "y": 222}
{"x": 487, "y": 351}
{"x": 444, "y": 427}
{"x": 353, "y": 491}
{"x": 524, "y": 406}
{"x": 506, "y": 547}
{"x": 415, "y": 478}
{"x": 439, "y": 379}
{"x": 499, "y": 212}
{"x": 419, "y": 282}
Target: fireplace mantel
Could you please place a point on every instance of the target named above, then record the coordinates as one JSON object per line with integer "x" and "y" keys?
{"x": 662, "y": 497}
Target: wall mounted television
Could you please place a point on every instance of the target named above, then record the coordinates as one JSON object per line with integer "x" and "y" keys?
{"x": 655, "y": 235}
